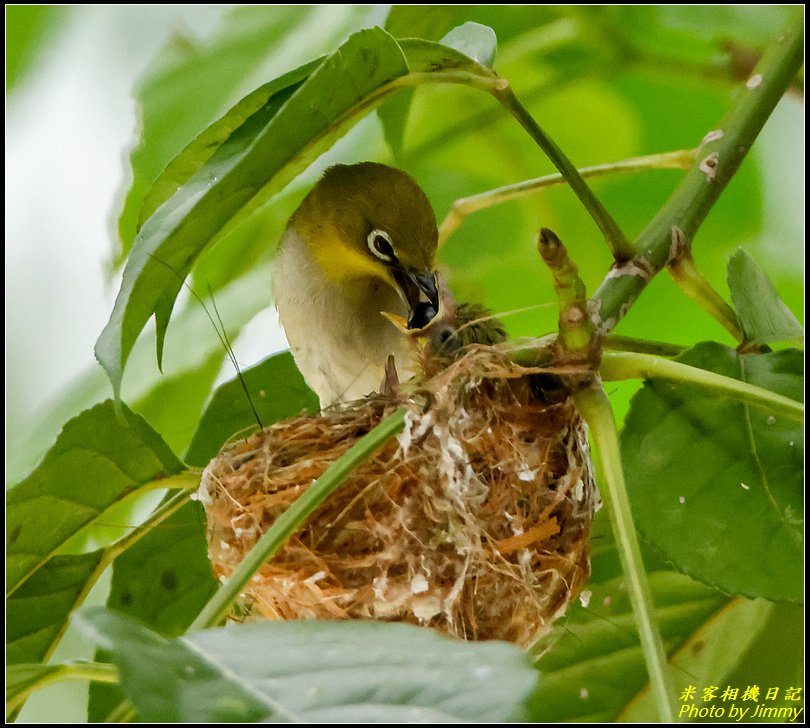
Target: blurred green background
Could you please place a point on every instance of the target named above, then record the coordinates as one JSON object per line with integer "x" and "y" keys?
{"x": 606, "y": 82}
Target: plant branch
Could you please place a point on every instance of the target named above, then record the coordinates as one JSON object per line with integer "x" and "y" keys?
{"x": 594, "y": 406}
{"x": 681, "y": 159}
{"x": 624, "y": 365}
{"x": 47, "y": 675}
{"x": 619, "y": 245}
{"x": 720, "y": 155}
{"x": 689, "y": 279}
{"x": 576, "y": 330}
{"x": 614, "y": 342}
{"x": 293, "y": 518}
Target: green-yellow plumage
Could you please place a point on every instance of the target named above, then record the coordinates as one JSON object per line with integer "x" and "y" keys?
{"x": 362, "y": 242}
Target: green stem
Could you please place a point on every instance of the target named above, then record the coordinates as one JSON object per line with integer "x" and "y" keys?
{"x": 681, "y": 159}
{"x": 719, "y": 157}
{"x": 615, "y": 342}
{"x": 293, "y": 518}
{"x": 576, "y": 330}
{"x": 619, "y": 245}
{"x": 690, "y": 280}
{"x": 124, "y": 712}
{"x": 595, "y": 409}
{"x": 47, "y": 675}
{"x": 624, "y": 365}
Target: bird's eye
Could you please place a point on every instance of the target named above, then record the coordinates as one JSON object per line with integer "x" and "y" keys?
{"x": 379, "y": 243}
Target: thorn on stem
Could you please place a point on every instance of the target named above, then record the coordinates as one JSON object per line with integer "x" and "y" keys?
{"x": 709, "y": 166}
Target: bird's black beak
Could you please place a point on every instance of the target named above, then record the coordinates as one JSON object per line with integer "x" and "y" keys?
{"x": 420, "y": 291}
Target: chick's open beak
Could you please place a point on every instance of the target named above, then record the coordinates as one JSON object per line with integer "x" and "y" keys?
{"x": 421, "y": 293}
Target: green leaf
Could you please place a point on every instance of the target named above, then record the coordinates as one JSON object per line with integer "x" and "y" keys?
{"x": 319, "y": 672}
{"x": 475, "y": 41}
{"x": 591, "y": 663}
{"x": 429, "y": 22}
{"x": 341, "y": 89}
{"x": 710, "y": 654}
{"x": 410, "y": 21}
{"x": 393, "y": 115}
{"x": 256, "y": 109}
{"x": 716, "y": 485}
{"x": 763, "y": 315}
{"x": 37, "y": 613}
{"x": 96, "y": 461}
{"x": 164, "y": 580}
{"x": 278, "y": 391}
{"x": 192, "y": 81}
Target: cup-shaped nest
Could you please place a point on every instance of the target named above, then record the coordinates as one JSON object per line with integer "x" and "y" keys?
{"x": 474, "y": 520}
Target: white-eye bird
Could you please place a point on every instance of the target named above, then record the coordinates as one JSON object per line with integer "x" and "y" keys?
{"x": 361, "y": 243}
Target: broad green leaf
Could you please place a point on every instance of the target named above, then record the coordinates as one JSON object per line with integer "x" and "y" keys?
{"x": 256, "y": 109}
{"x": 763, "y": 315}
{"x": 250, "y": 245}
{"x": 329, "y": 672}
{"x": 716, "y": 486}
{"x": 164, "y": 580}
{"x": 277, "y": 390}
{"x": 776, "y": 656}
{"x": 592, "y": 666}
{"x": 591, "y": 663}
{"x": 170, "y": 241}
{"x": 96, "y": 461}
{"x": 412, "y": 21}
{"x": 709, "y": 656}
{"x": 429, "y": 22}
{"x": 393, "y": 115}
{"x": 190, "y": 84}
{"x": 475, "y": 41}
{"x": 37, "y": 613}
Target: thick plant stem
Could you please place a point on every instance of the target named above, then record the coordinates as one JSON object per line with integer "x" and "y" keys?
{"x": 293, "y": 518}
{"x": 681, "y": 159}
{"x": 625, "y": 365}
{"x": 592, "y": 403}
{"x": 719, "y": 157}
{"x": 619, "y": 245}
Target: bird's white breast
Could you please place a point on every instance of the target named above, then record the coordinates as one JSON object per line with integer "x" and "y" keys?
{"x": 337, "y": 336}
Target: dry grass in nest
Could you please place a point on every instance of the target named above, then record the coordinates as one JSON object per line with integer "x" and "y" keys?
{"x": 474, "y": 520}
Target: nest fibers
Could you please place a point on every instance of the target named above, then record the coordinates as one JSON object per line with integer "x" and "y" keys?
{"x": 474, "y": 520}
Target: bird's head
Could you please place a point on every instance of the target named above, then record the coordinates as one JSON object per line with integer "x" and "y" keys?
{"x": 370, "y": 221}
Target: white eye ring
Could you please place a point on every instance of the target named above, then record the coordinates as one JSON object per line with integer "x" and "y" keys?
{"x": 379, "y": 243}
